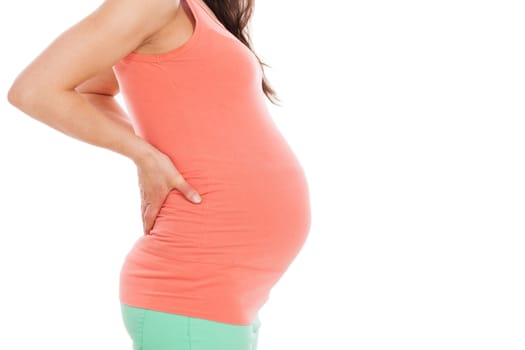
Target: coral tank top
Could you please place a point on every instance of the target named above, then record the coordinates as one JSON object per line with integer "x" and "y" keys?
{"x": 202, "y": 104}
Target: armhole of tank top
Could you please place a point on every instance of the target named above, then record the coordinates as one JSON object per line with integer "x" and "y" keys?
{"x": 155, "y": 57}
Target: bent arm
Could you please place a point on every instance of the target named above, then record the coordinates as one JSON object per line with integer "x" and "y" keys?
{"x": 100, "y": 91}
{"x": 109, "y": 106}
{"x": 92, "y": 118}
{"x": 46, "y": 89}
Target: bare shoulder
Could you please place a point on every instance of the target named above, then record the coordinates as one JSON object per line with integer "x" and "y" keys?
{"x": 90, "y": 47}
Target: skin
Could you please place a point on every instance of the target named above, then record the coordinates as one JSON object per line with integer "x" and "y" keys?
{"x": 71, "y": 87}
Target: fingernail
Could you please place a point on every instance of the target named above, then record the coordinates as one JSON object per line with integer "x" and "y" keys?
{"x": 196, "y": 198}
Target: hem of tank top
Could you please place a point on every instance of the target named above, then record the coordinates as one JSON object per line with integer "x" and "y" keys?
{"x": 198, "y": 315}
{"x": 156, "y": 57}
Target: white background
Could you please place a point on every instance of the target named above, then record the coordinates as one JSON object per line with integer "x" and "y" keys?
{"x": 408, "y": 117}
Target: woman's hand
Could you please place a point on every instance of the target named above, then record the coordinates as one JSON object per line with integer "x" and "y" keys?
{"x": 157, "y": 177}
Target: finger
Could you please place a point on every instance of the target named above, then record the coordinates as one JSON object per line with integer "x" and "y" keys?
{"x": 147, "y": 221}
{"x": 186, "y": 189}
{"x": 143, "y": 207}
{"x": 151, "y": 214}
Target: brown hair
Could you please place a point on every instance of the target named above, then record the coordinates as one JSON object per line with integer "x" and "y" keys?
{"x": 235, "y": 16}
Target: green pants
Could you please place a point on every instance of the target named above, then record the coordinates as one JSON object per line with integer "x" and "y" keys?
{"x": 155, "y": 330}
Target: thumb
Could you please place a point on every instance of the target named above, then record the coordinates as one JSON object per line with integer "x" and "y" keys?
{"x": 189, "y": 192}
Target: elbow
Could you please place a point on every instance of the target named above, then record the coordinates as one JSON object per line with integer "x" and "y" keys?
{"x": 15, "y": 92}
{"x": 19, "y": 94}
{"x": 26, "y": 95}
{"x": 14, "y": 96}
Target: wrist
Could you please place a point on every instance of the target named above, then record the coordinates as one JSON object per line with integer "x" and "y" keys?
{"x": 143, "y": 152}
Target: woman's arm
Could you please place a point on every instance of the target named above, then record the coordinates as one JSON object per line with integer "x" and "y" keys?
{"x": 110, "y": 108}
{"x": 46, "y": 88}
{"x": 100, "y": 91}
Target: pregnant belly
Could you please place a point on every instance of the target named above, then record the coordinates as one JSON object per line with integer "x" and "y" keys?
{"x": 257, "y": 216}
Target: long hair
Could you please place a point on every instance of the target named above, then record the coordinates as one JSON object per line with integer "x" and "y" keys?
{"x": 235, "y": 15}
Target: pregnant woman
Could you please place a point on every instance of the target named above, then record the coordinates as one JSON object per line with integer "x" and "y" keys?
{"x": 225, "y": 202}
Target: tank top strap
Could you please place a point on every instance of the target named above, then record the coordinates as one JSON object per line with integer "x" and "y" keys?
{"x": 200, "y": 10}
